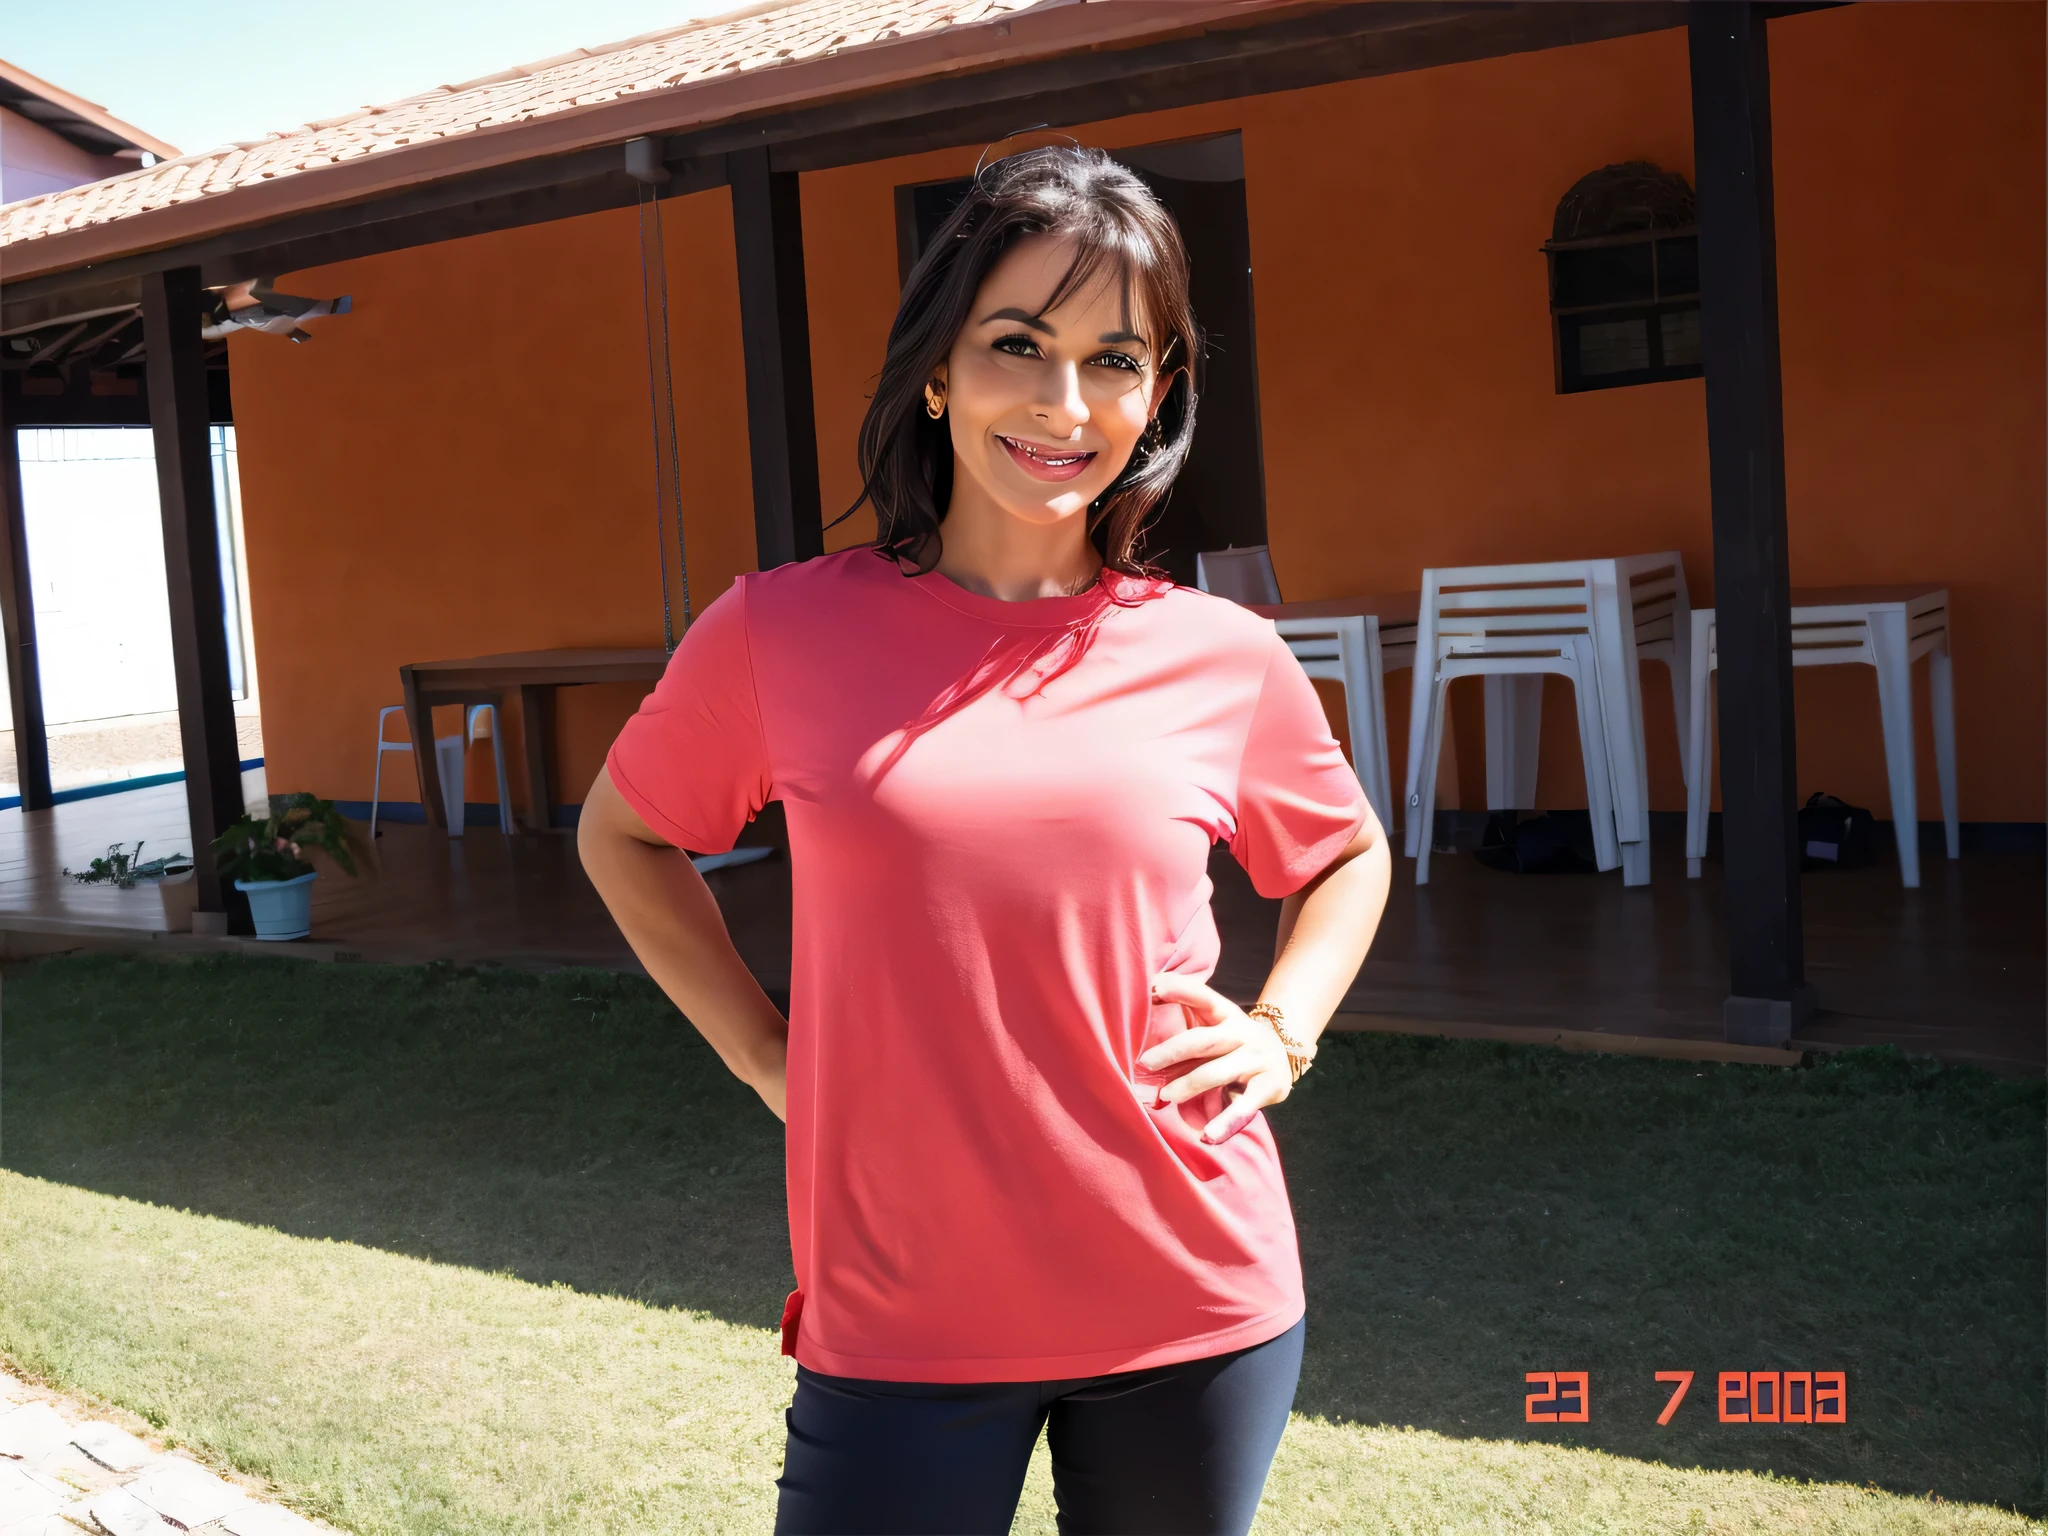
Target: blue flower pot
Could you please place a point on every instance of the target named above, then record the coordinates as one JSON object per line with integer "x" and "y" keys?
{"x": 282, "y": 909}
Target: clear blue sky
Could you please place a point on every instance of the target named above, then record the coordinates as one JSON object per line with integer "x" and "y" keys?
{"x": 200, "y": 76}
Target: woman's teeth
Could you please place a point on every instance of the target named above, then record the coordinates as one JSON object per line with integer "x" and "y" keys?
{"x": 1052, "y": 458}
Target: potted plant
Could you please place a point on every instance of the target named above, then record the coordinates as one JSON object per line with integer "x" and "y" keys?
{"x": 173, "y": 874}
{"x": 265, "y": 856}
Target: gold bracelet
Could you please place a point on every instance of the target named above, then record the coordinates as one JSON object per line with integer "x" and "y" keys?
{"x": 1300, "y": 1052}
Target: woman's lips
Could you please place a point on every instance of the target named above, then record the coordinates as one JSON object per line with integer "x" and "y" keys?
{"x": 1045, "y": 463}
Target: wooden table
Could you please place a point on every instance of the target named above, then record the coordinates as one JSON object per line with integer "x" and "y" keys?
{"x": 534, "y": 675}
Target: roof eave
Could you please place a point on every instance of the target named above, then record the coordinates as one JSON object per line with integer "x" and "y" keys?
{"x": 86, "y": 111}
{"x": 1047, "y": 31}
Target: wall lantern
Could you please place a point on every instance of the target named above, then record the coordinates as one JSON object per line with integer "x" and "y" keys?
{"x": 1624, "y": 257}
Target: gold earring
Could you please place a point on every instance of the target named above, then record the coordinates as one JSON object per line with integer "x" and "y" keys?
{"x": 934, "y": 402}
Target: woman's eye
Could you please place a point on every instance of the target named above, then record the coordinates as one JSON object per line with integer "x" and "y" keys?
{"x": 1122, "y": 360}
{"x": 1017, "y": 346}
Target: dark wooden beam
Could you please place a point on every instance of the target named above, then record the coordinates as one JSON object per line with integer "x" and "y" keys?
{"x": 906, "y": 233}
{"x": 450, "y": 193}
{"x": 448, "y": 217}
{"x": 79, "y": 406}
{"x": 18, "y": 633}
{"x": 66, "y": 296}
{"x": 1731, "y": 113}
{"x": 1322, "y": 46}
{"x": 537, "y": 192}
{"x": 199, "y": 642}
{"x": 775, "y": 336}
{"x": 1334, "y": 43}
{"x": 1342, "y": 42}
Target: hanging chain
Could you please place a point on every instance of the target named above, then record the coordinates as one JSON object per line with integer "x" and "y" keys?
{"x": 661, "y": 406}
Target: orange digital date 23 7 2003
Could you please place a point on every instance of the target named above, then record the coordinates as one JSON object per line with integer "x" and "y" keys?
{"x": 1741, "y": 1397}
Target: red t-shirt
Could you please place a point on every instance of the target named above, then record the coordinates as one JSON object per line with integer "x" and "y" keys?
{"x": 1000, "y": 817}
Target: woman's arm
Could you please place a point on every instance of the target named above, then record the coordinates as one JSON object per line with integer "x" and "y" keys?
{"x": 672, "y": 922}
{"x": 1325, "y": 929}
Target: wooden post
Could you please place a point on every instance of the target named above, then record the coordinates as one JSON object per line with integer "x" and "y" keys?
{"x": 199, "y": 642}
{"x": 18, "y": 634}
{"x": 775, "y": 334}
{"x": 1731, "y": 115}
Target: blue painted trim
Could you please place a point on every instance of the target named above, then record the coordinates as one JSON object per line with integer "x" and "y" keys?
{"x": 117, "y": 786}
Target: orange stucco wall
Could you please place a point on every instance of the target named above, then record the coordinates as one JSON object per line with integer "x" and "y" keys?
{"x": 462, "y": 466}
{"x": 472, "y": 443}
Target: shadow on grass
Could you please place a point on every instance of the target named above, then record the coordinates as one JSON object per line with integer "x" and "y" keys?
{"x": 1469, "y": 1212}
{"x": 568, "y": 1126}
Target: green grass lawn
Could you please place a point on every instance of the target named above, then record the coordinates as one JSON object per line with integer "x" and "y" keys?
{"x": 484, "y": 1251}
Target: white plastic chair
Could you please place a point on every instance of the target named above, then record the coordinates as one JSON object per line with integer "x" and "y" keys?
{"x": 383, "y": 746}
{"x": 1243, "y": 574}
{"x": 1340, "y": 648}
{"x": 1887, "y": 629}
{"x": 453, "y": 754}
{"x": 1346, "y": 650}
{"x": 1497, "y": 621}
{"x": 1657, "y": 628}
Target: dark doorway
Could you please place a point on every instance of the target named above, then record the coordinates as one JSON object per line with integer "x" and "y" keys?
{"x": 1220, "y": 498}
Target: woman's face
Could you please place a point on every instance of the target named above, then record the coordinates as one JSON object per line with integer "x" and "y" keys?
{"x": 1046, "y": 408}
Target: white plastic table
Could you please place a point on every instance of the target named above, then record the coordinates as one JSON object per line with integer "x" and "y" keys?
{"x": 1887, "y": 629}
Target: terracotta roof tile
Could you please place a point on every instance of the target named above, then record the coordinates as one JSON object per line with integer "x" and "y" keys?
{"x": 758, "y": 39}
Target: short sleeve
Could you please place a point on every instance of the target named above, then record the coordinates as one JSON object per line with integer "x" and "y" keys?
{"x": 1298, "y": 801}
{"x": 693, "y": 760}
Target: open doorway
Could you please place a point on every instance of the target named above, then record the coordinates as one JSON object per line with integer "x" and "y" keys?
{"x": 102, "y": 610}
{"x": 1220, "y": 498}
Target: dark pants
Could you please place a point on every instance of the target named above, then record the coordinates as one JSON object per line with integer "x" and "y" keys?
{"x": 1180, "y": 1449}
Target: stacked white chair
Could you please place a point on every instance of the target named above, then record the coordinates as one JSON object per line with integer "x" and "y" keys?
{"x": 1347, "y": 650}
{"x": 1499, "y": 621}
{"x": 1652, "y": 622}
{"x": 1887, "y": 630}
{"x": 1242, "y": 573}
{"x": 1344, "y": 650}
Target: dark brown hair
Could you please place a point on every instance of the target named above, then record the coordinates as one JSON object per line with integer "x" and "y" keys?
{"x": 906, "y": 457}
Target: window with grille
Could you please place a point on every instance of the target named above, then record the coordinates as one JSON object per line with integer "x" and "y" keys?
{"x": 1624, "y": 259}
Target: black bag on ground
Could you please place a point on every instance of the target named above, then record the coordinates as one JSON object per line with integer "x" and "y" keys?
{"x": 1555, "y": 843}
{"x": 1834, "y": 834}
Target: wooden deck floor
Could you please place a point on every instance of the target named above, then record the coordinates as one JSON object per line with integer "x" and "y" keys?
{"x": 1954, "y": 969}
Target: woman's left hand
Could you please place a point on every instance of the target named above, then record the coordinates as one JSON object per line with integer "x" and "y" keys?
{"x": 1239, "y": 1050}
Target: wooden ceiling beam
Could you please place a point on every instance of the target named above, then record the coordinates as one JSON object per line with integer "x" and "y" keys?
{"x": 85, "y": 304}
{"x": 1322, "y": 47}
{"x": 1344, "y": 43}
{"x": 455, "y": 220}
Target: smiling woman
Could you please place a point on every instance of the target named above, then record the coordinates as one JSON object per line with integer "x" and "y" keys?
{"x": 1044, "y": 340}
{"x": 1031, "y": 1182}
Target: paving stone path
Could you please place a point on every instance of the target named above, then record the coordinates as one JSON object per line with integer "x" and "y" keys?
{"x": 63, "y": 1471}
